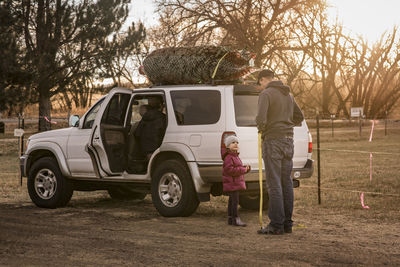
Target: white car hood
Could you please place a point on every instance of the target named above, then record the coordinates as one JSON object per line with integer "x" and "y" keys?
{"x": 54, "y": 133}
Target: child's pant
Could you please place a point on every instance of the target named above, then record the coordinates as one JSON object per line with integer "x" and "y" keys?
{"x": 233, "y": 203}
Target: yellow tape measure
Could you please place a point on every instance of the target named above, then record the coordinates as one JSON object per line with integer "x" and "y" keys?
{"x": 260, "y": 178}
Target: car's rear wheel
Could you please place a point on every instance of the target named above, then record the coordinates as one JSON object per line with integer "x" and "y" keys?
{"x": 172, "y": 190}
{"x": 47, "y": 187}
{"x": 125, "y": 193}
{"x": 252, "y": 202}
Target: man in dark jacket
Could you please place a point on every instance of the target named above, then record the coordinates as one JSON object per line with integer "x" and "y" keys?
{"x": 277, "y": 114}
{"x": 151, "y": 129}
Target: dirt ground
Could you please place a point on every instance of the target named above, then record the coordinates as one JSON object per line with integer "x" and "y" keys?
{"x": 94, "y": 230}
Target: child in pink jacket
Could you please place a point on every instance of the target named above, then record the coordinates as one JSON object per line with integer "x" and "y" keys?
{"x": 233, "y": 178}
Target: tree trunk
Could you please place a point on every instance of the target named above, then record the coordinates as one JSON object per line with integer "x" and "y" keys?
{"x": 44, "y": 111}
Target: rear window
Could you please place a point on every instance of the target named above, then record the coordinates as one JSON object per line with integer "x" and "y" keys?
{"x": 196, "y": 107}
{"x": 246, "y": 101}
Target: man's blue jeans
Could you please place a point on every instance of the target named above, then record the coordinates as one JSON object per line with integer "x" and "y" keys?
{"x": 277, "y": 155}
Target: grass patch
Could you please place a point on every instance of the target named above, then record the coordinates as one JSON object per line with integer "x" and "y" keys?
{"x": 343, "y": 175}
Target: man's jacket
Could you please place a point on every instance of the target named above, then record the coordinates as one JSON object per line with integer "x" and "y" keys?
{"x": 278, "y": 112}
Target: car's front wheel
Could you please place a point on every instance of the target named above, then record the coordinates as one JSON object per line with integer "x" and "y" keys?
{"x": 47, "y": 187}
{"x": 172, "y": 190}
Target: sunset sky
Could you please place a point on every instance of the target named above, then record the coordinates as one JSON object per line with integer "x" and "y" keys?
{"x": 369, "y": 18}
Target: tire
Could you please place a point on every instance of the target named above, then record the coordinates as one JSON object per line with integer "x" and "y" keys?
{"x": 124, "y": 193}
{"x": 172, "y": 190}
{"x": 252, "y": 202}
{"x": 47, "y": 187}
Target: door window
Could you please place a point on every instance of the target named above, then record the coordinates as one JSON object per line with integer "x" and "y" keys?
{"x": 245, "y": 99}
{"x": 116, "y": 110}
{"x": 196, "y": 107}
{"x": 91, "y": 116}
{"x": 142, "y": 103}
{"x": 245, "y": 109}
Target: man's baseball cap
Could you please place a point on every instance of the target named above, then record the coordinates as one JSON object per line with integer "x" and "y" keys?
{"x": 265, "y": 73}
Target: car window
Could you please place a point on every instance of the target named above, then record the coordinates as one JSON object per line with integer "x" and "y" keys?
{"x": 196, "y": 107}
{"x": 139, "y": 107}
{"x": 142, "y": 103}
{"x": 245, "y": 109}
{"x": 116, "y": 110}
{"x": 91, "y": 116}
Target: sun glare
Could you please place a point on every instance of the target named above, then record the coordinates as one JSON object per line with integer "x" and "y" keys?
{"x": 366, "y": 18}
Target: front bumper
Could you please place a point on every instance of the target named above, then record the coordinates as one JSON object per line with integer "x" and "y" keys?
{"x": 22, "y": 164}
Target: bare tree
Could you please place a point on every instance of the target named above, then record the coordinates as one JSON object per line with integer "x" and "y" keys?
{"x": 328, "y": 54}
{"x": 324, "y": 65}
{"x": 374, "y": 76}
{"x": 347, "y": 71}
{"x": 262, "y": 26}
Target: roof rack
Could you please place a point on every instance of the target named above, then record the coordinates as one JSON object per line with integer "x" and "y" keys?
{"x": 213, "y": 82}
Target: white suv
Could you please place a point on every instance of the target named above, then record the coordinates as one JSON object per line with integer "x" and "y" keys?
{"x": 100, "y": 152}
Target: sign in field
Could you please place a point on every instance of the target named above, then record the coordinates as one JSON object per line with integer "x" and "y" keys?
{"x": 19, "y": 132}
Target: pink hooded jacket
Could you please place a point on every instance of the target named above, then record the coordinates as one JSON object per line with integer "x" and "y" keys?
{"x": 233, "y": 172}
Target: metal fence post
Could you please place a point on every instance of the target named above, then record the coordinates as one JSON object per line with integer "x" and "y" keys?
{"x": 319, "y": 161}
{"x": 19, "y": 138}
{"x": 385, "y": 122}
{"x": 22, "y": 137}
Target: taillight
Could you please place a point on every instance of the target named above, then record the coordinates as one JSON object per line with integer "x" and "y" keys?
{"x": 224, "y": 135}
{"x": 309, "y": 147}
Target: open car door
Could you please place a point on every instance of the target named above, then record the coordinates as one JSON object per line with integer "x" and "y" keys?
{"x": 107, "y": 142}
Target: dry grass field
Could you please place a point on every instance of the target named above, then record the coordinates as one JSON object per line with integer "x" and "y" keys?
{"x": 95, "y": 230}
{"x": 346, "y": 169}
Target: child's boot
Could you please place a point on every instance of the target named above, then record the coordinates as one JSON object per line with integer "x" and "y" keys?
{"x": 230, "y": 220}
{"x": 238, "y": 222}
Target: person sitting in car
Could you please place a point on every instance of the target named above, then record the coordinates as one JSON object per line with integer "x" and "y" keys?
{"x": 135, "y": 154}
{"x": 142, "y": 110}
{"x": 151, "y": 129}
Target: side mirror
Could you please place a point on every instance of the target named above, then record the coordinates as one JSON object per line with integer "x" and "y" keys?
{"x": 74, "y": 121}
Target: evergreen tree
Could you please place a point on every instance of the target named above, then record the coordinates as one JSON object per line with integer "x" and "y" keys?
{"x": 12, "y": 77}
{"x": 62, "y": 40}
